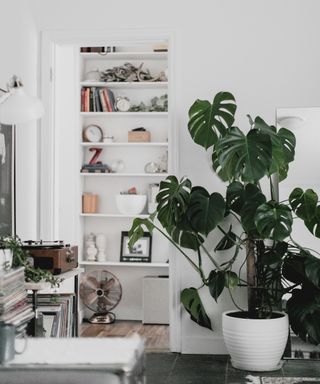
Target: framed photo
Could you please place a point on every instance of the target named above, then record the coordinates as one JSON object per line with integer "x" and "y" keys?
{"x": 141, "y": 251}
{"x": 7, "y": 180}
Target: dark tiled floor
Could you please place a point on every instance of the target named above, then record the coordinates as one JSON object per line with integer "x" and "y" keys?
{"x": 172, "y": 368}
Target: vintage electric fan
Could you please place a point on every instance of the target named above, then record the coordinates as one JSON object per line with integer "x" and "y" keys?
{"x": 100, "y": 291}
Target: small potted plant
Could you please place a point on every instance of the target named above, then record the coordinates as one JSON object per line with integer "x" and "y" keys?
{"x": 254, "y": 227}
{"x": 17, "y": 256}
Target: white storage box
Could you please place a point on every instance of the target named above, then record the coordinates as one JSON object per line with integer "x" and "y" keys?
{"x": 155, "y": 300}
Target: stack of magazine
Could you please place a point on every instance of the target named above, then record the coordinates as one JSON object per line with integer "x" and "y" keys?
{"x": 57, "y": 314}
{"x": 14, "y": 306}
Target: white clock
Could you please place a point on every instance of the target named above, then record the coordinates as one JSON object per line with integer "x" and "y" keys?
{"x": 92, "y": 133}
{"x": 122, "y": 104}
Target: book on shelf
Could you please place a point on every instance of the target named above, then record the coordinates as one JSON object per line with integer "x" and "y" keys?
{"x": 95, "y": 99}
{"x": 103, "y": 101}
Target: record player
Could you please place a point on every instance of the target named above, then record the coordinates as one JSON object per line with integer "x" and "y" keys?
{"x": 54, "y": 256}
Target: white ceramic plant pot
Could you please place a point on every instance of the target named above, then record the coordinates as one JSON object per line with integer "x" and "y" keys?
{"x": 255, "y": 344}
{"x": 5, "y": 259}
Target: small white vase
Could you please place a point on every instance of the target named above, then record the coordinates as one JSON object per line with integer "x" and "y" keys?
{"x": 255, "y": 344}
{"x": 5, "y": 259}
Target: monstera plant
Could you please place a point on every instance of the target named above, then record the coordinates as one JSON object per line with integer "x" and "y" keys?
{"x": 250, "y": 223}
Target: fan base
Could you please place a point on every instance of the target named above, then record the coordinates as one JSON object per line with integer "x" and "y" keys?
{"x": 106, "y": 318}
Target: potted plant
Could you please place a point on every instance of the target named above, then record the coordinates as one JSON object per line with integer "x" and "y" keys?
{"x": 17, "y": 256}
{"x": 254, "y": 227}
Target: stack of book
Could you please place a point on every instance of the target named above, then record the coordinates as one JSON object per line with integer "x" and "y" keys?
{"x": 14, "y": 306}
{"x": 57, "y": 314}
{"x": 97, "y": 100}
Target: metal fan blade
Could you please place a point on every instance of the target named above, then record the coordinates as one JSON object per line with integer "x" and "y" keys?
{"x": 91, "y": 298}
{"x": 90, "y": 282}
{"x": 106, "y": 285}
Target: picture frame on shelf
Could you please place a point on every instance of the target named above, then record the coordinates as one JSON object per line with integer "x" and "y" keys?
{"x": 141, "y": 253}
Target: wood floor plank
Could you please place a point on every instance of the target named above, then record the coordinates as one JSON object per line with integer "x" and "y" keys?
{"x": 156, "y": 336}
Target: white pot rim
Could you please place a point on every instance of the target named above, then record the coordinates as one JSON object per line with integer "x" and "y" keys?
{"x": 225, "y": 313}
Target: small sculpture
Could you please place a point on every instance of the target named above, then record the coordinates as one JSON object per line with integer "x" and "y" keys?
{"x": 91, "y": 250}
{"x": 101, "y": 242}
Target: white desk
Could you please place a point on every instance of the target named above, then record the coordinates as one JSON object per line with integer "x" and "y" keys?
{"x": 111, "y": 360}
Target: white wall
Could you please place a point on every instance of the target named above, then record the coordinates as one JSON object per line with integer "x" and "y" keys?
{"x": 18, "y": 42}
{"x": 264, "y": 51}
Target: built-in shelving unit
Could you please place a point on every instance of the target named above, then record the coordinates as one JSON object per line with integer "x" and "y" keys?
{"x": 135, "y": 155}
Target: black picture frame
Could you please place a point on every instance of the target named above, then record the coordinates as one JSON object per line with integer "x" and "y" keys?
{"x": 141, "y": 252}
{"x": 7, "y": 181}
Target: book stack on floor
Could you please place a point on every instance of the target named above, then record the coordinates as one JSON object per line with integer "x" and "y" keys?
{"x": 56, "y": 311}
{"x": 95, "y": 99}
{"x": 14, "y": 306}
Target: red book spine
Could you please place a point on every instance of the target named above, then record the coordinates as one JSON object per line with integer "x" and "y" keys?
{"x": 103, "y": 101}
{"x": 106, "y": 97}
{"x": 87, "y": 100}
{"x": 83, "y": 99}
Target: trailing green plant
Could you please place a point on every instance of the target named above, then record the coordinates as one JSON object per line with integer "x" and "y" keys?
{"x": 260, "y": 231}
{"x": 21, "y": 258}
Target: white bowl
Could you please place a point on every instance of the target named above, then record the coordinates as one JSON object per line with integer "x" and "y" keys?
{"x": 131, "y": 204}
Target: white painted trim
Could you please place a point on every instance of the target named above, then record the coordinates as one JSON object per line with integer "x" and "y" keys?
{"x": 48, "y": 196}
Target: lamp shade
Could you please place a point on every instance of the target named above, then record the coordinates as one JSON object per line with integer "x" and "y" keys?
{"x": 19, "y": 107}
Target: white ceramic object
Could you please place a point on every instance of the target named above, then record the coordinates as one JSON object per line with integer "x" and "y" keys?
{"x": 255, "y": 344}
{"x": 101, "y": 243}
{"x": 5, "y": 259}
{"x": 131, "y": 204}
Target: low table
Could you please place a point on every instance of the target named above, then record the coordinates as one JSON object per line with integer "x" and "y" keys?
{"x": 110, "y": 360}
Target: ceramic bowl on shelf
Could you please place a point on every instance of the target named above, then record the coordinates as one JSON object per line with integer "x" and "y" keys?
{"x": 131, "y": 204}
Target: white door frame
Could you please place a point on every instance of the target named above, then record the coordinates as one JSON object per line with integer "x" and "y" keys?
{"x": 48, "y": 139}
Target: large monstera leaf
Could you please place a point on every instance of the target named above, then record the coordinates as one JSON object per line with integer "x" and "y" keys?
{"x": 183, "y": 234}
{"x": 205, "y": 211}
{"x": 304, "y": 312}
{"x": 246, "y": 156}
{"x": 173, "y": 199}
{"x": 208, "y": 121}
{"x": 273, "y": 220}
{"x": 283, "y": 146}
{"x": 304, "y": 204}
{"x": 192, "y": 303}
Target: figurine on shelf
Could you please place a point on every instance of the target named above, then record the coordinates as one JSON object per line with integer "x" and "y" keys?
{"x": 91, "y": 250}
{"x": 101, "y": 242}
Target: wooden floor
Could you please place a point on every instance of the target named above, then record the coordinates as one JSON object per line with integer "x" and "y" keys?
{"x": 156, "y": 336}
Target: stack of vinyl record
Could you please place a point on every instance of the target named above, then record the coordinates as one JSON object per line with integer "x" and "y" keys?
{"x": 14, "y": 307}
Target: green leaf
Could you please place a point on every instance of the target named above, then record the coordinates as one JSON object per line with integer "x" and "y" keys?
{"x": 217, "y": 167}
{"x": 228, "y": 241}
{"x": 216, "y": 283}
{"x": 192, "y": 303}
{"x": 253, "y": 198}
{"x": 312, "y": 269}
{"x": 275, "y": 254}
{"x": 293, "y": 268}
{"x": 208, "y": 121}
{"x": 235, "y": 197}
{"x": 304, "y": 204}
{"x": 273, "y": 220}
{"x": 184, "y": 235}
{"x": 304, "y": 312}
{"x": 137, "y": 230}
{"x": 173, "y": 198}
{"x": 246, "y": 156}
{"x": 231, "y": 279}
{"x": 205, "y": 211}
{"x": 314, "y": 224}
{"x": 283, "y": 147}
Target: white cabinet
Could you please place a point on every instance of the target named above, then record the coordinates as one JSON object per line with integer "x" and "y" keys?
{"x": 134, "y": 156}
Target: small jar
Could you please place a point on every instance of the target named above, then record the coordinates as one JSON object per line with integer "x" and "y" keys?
{"x": 108, "y": 139}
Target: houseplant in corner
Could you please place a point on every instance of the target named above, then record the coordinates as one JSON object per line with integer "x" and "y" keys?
{"x": 254, "y": 227}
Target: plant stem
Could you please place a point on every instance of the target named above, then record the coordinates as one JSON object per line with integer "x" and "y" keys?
{"x": 211, "y": 258}
{"x": 194, "y": 265}
{"x": 251, "y": 274}
{"x": 200, "y": 267}
{"x": 234, "y": 303}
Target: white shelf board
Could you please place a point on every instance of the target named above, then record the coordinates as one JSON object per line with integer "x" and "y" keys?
{"x": 91, "y": 174}
{"x": 125, "y": 55}
{"x": 124, "y": 114}
{"x": 126, "y": 144}
{"x": 124, "y": 84}
{"x": 113, "y": 215}
{"x": 125, "y": 264}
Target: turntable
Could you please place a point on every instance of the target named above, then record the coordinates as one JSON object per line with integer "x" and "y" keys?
{"x": 54, "y": 256}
